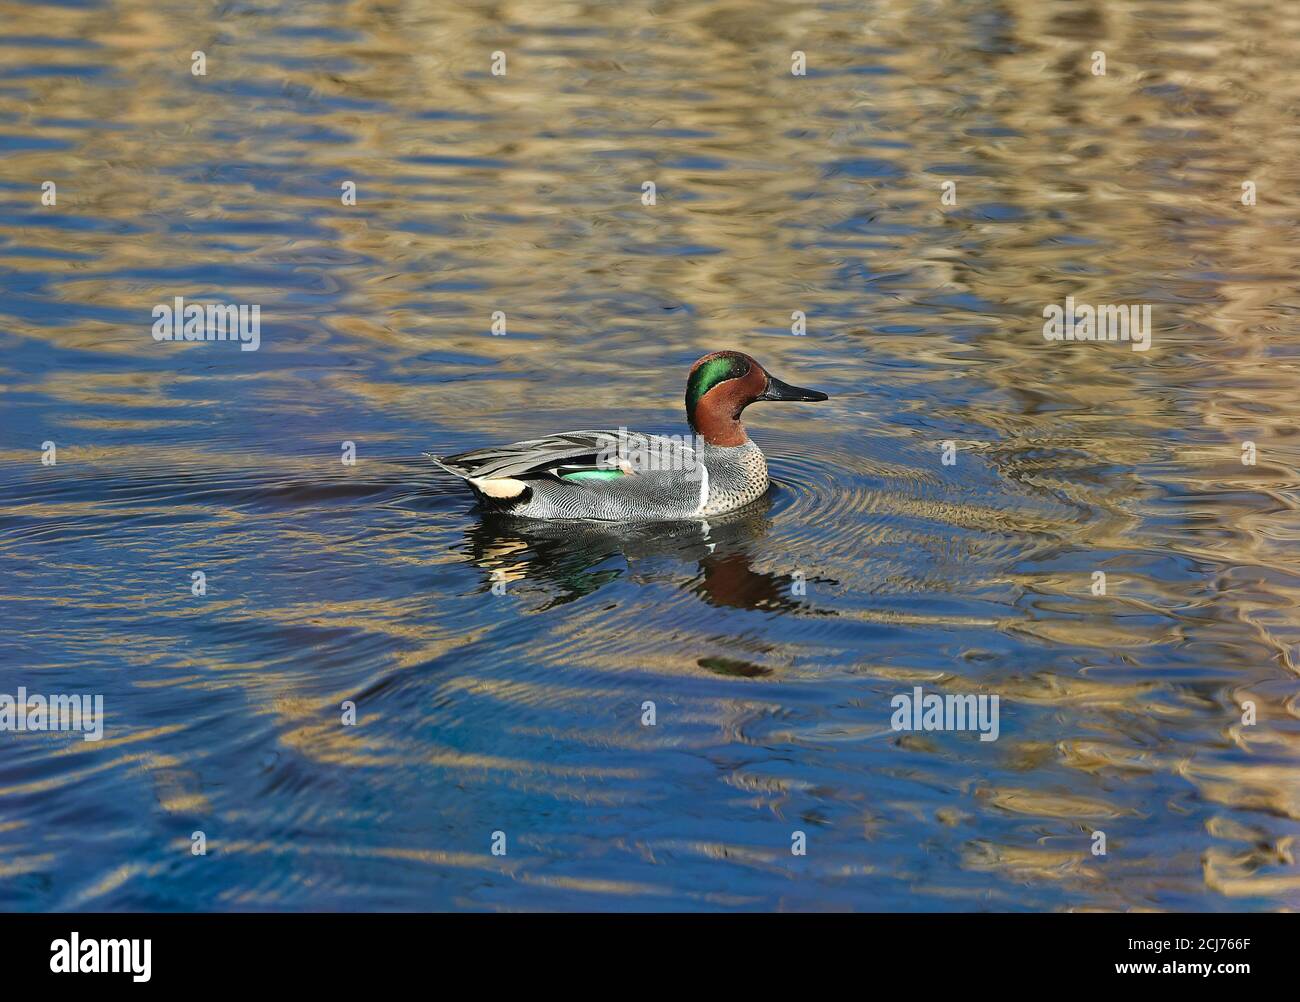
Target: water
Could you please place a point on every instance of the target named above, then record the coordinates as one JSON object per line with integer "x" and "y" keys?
{"x": 771, "y": 644}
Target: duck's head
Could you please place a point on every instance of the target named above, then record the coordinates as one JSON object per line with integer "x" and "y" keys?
{"x": 724, "y": 383}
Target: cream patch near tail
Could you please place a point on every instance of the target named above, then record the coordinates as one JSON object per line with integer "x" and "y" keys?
{"x": 500, "y": 487}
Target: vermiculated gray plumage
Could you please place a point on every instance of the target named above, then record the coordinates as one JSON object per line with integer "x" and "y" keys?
{"x": 695, "y": 483}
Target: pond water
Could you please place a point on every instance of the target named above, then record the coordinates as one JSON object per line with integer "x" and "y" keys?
{"x": 499, "y": 670}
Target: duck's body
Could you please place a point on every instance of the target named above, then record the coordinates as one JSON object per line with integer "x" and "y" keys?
{"x": 563, "y": 477}
{"x": 622, "y": 476}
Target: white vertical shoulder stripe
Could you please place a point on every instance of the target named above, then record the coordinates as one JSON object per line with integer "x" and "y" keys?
{"x": 704, "y": 488}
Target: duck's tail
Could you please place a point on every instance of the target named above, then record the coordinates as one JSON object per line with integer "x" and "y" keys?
{"x": 440, "y": 461}
{"x": 497, "y": 488}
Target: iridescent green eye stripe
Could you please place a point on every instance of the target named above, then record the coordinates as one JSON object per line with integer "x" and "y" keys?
{"x": 709, "y": 375}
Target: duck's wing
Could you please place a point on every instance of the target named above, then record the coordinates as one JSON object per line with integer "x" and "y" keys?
{"x": 570, "y": 454}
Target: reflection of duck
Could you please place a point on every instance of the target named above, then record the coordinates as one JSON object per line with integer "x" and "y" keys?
{"x": 622, "y": 476}
{"x": 567, "y": 556}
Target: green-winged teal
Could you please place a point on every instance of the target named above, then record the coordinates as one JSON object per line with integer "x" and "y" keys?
{"x": 623, "y": 476}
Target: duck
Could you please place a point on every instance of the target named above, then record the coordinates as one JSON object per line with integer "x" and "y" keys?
{"x": 617, "y": 475}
